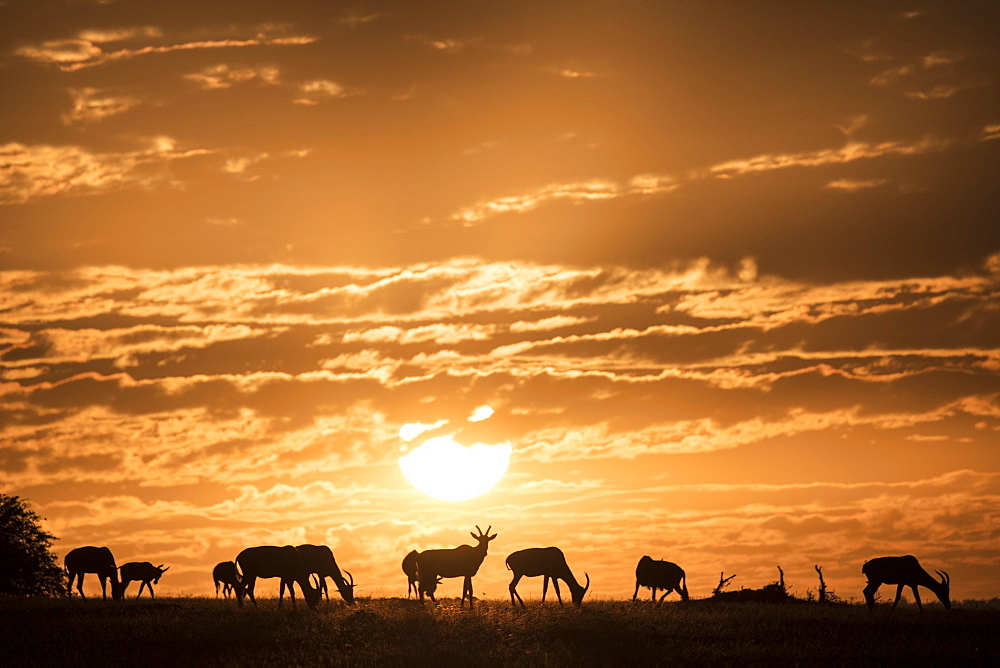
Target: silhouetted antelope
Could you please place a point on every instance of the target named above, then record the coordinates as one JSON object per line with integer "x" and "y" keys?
{"x": 225, "y": 573}
{"x": 458, "y": 562}
{"x": 904, "y": 572}
{"x": 664, "y": 575}
{"x": 271, "y": 561}
{"x": 549, "y": 562}
{"x": 319, "y": 559}
{"x": 97, "y": 560}
{"x": 410, "y": 568}
{"x": 146, "y": 573}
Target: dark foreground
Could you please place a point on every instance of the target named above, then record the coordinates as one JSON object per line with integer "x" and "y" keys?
{"x": 207, "y": 632}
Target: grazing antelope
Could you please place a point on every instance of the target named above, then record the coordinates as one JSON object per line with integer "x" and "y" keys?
{"x": 462, "y": 561}
{"x": 225, "y": 573}
{"x": 319, "y": 559}
{"x": 660, "y": 575}
{"x": 549, "y": 562}
{"x": 271, "y": 561}
{"x": 904, "y": 572}
{"x": 97, "y": 560}
{"x": 146, "y": 573}
{"x": 410, "y": 569}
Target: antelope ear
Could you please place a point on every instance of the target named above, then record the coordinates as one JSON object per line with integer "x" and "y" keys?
{"x": 474, "y": 535}
{"x": 164, "y": 569}
{"x": 492, "y": 537}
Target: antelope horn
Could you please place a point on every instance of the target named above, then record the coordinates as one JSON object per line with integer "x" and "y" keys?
{"x": 587, "y": 575}
{"x": 479, "y": 530}
{"x": 350, "y": 576}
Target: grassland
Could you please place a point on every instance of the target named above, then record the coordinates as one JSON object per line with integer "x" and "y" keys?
{"x": 386, "y": 631}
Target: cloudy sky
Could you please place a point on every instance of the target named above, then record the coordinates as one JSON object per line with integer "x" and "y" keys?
{"x": 727, "y": 274}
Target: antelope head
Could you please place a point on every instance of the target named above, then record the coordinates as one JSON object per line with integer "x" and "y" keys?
{"x": 117, "y": 590}
{"x": 944, "y": 589}
{"x": 579, "y": 594}
{"x": 484, "y": 538}
{"x": 348, "y": 590}
{"x": 160, "y": 571}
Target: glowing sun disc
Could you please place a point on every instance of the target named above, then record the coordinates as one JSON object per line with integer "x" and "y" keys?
{"x": 446, "y": 470}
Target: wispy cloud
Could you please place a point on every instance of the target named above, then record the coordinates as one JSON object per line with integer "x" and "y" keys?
{"x": 706, "y": 435}
{"x": 545, "y": 324}
{"x": 93, "y": 104}
{"x": 717, "y": 295}
{"x": 123, "y": 345}
{"x": 224, "y": 76}
{"x": 239, "y": 165}
{"x": 356, "y": 20}
{"x": 656, "y": 184}
{"x": 573, "y": 73}
{"x": 940, "y": 92}
{"x": 849, "y": 153}
{"x": 853, "y": 185}
{"x": 312, "y": 92}
{"x": 70, "y": 55}
{"x": 990, "y": 132}
{"x": 643, "y": 184}
{"x": 445, "y": 45}
{"x": 41, "y": 170}
{"x": 120, "y": 34}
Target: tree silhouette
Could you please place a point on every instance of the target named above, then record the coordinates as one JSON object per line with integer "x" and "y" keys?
{"x": 27, "y": 566}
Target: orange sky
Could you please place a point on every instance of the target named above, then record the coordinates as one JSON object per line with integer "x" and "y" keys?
{"x": 727, "y": 273}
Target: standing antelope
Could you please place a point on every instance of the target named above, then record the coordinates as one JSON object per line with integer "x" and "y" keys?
{"x": 462, "y": 561}
{"x": 97, "y": 560}
{"x": 319, "y": 559}
{"x": 146, "y": 573}
{"x": 904, "y": 572}
{"x": 271, "y": 561}
{"x": 664, "y": 575}
{"x": 549, "y": 562}
{"x": 225, "y": 573}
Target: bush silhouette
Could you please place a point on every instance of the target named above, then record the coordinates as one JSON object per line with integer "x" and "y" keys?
{"x": 27, "y": 566}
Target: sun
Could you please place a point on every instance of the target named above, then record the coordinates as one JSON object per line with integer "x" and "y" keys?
{"x": 446, "y": 470}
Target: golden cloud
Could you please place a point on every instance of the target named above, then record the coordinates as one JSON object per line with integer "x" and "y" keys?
{"x": 596, "y": 189}
{"x": 76, "y": 54}
{"x": 92, "y": 104}
{"x": 41, "y": 170}
{"x": 853, "y": 185}
{"x": 224, "y": 76}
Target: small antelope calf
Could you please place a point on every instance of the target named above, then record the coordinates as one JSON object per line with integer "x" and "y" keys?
{"x": 146, "y": 573}
{"x": 225, "y": 573}
{"x": 664, "y": 575}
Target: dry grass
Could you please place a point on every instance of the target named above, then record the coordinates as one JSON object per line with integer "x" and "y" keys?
{"x": 385, "y": 631}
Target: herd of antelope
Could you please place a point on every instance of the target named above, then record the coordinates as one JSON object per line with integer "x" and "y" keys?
{"x": 425, "y": 571}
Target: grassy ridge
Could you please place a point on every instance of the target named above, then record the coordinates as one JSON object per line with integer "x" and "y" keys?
{"x": 201, "y": 631}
